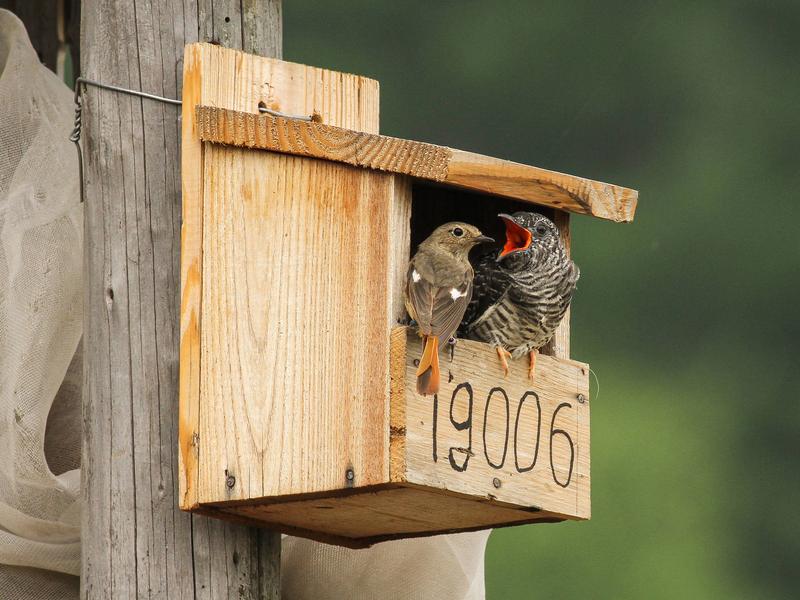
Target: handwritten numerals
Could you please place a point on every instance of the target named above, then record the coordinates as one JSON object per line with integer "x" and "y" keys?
{"x": 553, "y": 434}
{"x": 461, "y": 426}
{"x": 526, "y": 395}
{"x": 527, "y": 432}
{"x": 500, "y": 464}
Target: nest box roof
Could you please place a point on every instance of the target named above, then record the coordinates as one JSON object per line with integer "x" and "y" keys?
{"x": 419, "y": 160}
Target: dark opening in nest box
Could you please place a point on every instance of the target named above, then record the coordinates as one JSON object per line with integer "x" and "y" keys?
{"x": 298, "y": 408}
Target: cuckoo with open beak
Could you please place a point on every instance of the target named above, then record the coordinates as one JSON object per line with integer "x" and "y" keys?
{"x": 521, "y": 295}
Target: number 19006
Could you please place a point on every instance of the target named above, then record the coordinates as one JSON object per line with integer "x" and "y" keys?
{"x": 493, "y": 456}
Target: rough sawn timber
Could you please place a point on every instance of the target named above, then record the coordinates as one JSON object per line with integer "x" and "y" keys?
{"x": 416, "y": 159}
{"x": 523, "y": 456}
{"x": 136, "y": 542}
{"x": 287, "y": 304}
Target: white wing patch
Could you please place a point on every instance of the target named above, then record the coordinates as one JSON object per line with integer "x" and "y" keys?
{"x": 456, "y": 294}
{"x": 415, "y": 277}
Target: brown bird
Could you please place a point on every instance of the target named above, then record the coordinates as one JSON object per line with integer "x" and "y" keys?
{"x": 438, "y": 290}
{"x": 521, "y": 294}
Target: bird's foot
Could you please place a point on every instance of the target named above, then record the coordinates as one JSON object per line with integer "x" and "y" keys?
{"x": 532, "y": 365}
{"x": 504, "y": 356}
{"x": 451, "y": 343}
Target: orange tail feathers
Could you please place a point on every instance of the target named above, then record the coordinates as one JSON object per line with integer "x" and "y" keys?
{"x": 428, "y": 371}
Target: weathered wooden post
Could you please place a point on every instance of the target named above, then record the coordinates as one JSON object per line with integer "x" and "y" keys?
{"x": 136, "y": 543}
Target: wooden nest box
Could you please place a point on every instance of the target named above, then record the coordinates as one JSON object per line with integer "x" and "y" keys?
{"x": 298, "y": 408}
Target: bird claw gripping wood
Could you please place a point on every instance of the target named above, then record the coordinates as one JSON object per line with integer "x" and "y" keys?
{"x": 532, "y": 365}
{"x": 504, "y": 356}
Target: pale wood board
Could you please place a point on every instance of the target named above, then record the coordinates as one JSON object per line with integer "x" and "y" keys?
{"x": 382, "y": 513}
{"x": 295, "y": 310}
{"x": 493, "y": 467}
{"x": 417, "y": 159}
{"x": 423, "y": 497}
{"x": 298, "y": 290}
{"x": 241, "y": 81}
{"x": 136, "y": 543}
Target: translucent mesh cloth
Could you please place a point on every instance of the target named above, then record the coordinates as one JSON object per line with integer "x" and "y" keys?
{"x": 40, "y": 324}
{"x": 445, "y": 567}
{"x": 40, "y": 380}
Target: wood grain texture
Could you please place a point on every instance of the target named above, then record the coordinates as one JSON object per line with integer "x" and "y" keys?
{"x": 295, "y": 297}
{"x": 507, "y": 481}
{"x": 382, "y": 513}
{"x": 245, "y": 24}
{"x": 136, "y": 544}
{"x": 417, "y": 159}
{"x": 226, "y": 77}
{"x": 295, "y": 312}
{"x": 511, "y": 450}
{"x": 397, "y": 411}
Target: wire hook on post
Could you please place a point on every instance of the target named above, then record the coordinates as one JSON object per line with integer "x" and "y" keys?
{"x": 75, "y": 135}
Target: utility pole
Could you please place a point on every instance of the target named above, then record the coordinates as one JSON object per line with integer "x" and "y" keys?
{"x": 136, "y": 542}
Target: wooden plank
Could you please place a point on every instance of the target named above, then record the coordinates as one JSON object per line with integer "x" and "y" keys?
{"x": 295, "y": 326}
{"x": 136, "y": 542}
{"x": 229, "y": 78}
{"x": 400, "y": 244}
{"x": 417, "y": 159}
{"x": 245, "y": 24}
{"x": 397, "y": 410}
{"x": 500, "y": 438}
{"x": 262, "y": 206}
{"x": 369, "y": 516}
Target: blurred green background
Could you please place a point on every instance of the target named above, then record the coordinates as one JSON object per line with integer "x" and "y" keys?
{"x": 688, "y": 315}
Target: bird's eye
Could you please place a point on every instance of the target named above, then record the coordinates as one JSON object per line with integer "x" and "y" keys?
{"x": 541, "y": 229}
{"x": 458, "y": 232}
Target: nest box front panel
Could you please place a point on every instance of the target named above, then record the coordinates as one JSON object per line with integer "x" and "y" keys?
{"x": 490, "y": 436}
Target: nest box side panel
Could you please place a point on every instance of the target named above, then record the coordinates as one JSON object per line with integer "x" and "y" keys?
{"x": 231, "y": 79}
{"x": 491, "y": 437}
{"x": 295, "y": 339}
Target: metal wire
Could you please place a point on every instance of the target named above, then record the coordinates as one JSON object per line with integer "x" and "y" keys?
{"x": 277, "y": 113}
{"x": 75, "y": 135}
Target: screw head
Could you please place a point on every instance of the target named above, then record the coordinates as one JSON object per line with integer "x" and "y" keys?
{"x": 581, "y": 398}
{"x": 349, "y": 475}
{"x": 496, "y": 482}
{"x": 230, "y": 481}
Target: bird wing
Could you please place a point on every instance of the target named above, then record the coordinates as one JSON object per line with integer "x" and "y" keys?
{"x": 490, "y": 284}
{"x": 436, "y": 309}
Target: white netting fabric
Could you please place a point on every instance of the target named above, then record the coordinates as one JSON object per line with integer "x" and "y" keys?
{"x": 41, "y": 226}
{"x": 445, "y": 567}
{"x": 40, "y": 381}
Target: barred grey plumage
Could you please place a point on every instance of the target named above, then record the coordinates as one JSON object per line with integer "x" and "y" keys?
{"x": 520, "y": 296}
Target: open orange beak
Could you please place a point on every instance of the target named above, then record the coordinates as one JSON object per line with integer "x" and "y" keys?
{"x": 517, "y": 237}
